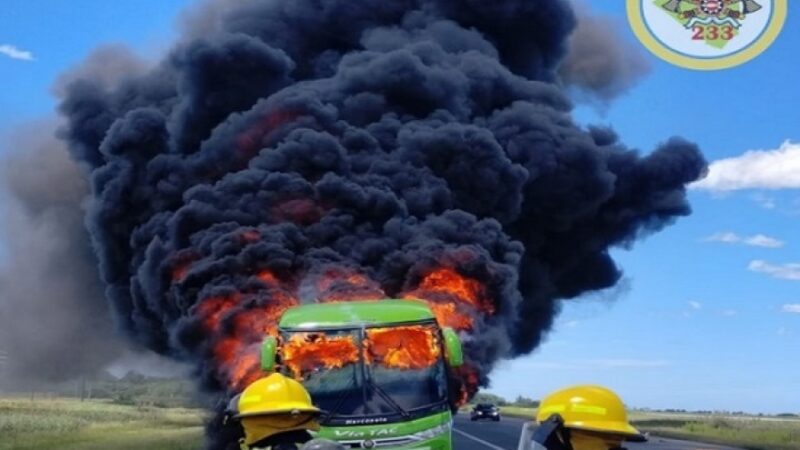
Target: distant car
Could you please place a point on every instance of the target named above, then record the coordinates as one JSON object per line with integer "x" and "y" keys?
{"x": 485, "y": 411}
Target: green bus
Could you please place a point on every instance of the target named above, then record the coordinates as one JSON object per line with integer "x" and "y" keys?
{"x": 379, "y": 370}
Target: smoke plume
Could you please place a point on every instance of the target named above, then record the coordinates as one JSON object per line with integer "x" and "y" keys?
{"x": 54, "y": 323}
{"x": 600, "y": 65}
{"x": 288, "y": 152}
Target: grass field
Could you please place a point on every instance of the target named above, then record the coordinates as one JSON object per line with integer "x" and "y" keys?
{"x": 750, "y": 432}
{"x": 96, "y": 425}
{"x": 69, "y": 424}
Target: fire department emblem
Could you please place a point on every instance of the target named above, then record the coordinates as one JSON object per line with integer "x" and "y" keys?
{"x": 707, "y": 34}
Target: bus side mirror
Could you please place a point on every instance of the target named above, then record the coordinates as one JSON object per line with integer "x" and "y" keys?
{"x": 268, "y": 350}
{"x": 452, "y": 346}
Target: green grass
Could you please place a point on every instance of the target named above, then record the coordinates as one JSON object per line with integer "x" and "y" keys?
{"x": 517, "y": 411}
{"x": 749, "y": 432}
{"x": 100, "y": 425}
{"x": 755, "y": 433}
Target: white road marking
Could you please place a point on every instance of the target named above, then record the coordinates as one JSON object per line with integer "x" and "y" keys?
{"x": 478, "y": 440}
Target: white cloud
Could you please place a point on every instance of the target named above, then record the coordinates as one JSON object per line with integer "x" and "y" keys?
{"x": 761, "y": 240}
{"x": 729, "y": 312}
{"x": 791, "y": 309}
{"x": 788, "y": 271}
{"x": 758, "y": 240}
{"x": 15, "y": 53}
{"x": 764, "y": 201}
{"x": 756, "y": 169}
{"x": 726, "y": 237}
{"x": 696, "y": 305}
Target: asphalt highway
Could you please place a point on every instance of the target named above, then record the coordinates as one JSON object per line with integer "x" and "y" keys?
{"x": 504, "y": 435}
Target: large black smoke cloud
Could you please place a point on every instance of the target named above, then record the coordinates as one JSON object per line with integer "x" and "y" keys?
{"x": 386, "y": 137}
{"x": 599, "y": 64}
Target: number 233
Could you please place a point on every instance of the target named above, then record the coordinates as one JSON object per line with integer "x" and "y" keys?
{"x": 712, "y": 33}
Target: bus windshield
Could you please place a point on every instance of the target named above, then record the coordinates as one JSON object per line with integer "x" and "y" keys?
{"x": 369, "y": 372}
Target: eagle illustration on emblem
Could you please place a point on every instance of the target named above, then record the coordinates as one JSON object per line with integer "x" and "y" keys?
{"x": 714, "y": 21}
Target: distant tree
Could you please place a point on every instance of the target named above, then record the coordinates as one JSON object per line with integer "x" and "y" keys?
{"x": 485, "y": 397}
{"x": 134, "y": 377}
{"x": 526, "y": 402}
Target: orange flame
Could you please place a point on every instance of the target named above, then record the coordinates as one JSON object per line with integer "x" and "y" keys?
{"x": 263, "y": 320}
{"x": 246, "y": 325}
{"x": 468, "y": 290}
{"x": 239, "y": 362}
{"x": 267, "y": 277}
{"x": 213, "y": 309}
{"x": 448, "y": 316}
{"x": 183, "y": 262}
{"x": 239, "y": 353}
{"x": 468, "y": 376}
{"x": 447, "y": 293}
{"x": 414, "y": 347}
{"x": 179, "y": 272}
{"x": 309, "y": 351}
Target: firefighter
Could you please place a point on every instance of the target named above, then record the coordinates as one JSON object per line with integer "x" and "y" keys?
{"x": 276, "y": 413}
{"x": 580, "y": 418}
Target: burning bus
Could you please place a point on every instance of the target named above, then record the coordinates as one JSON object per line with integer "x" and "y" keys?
{"x": 378, "y": 369}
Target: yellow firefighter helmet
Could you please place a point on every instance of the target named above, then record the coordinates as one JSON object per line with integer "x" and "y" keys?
{"x": 275, "y": 404}
{"x": 589, "y": 408}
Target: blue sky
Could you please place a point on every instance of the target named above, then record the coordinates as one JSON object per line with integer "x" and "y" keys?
{"x": 709, "y": 314}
